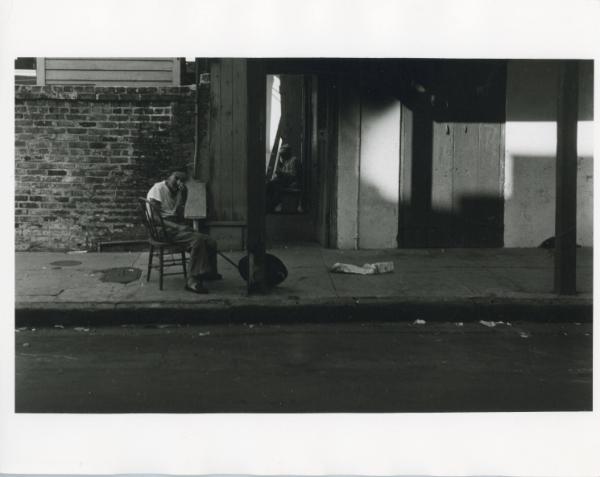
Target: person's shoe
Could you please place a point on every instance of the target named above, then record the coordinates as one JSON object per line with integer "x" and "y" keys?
{"x": 196, "y": 287}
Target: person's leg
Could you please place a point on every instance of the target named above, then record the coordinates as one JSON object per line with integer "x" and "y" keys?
{"x": 270, "y": 199}
{"x": 204, "y": 256}
{"x": 274, "y": 188}
{"x": 203, "y": 252}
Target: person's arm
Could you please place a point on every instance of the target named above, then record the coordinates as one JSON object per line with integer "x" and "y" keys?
{"x": 180, "y": 202}
{"x": 156, "y": 206}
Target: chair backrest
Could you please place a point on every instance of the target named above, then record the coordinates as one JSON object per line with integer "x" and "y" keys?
{"x": 153, "y": 221}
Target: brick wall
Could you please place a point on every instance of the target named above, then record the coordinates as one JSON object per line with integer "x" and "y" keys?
{"x": 83, "y": 154}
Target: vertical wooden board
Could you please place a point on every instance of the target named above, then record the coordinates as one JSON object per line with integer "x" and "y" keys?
{"x": 176, "y": 72}
{"x": 440, "y": 233}
{"x": 491, "y": 185}
{"x": 466, "y": 159}
{"x": 314, "y": 160}
{"x": 40, "y": 65}
{"x": 379, "y": 171}
{"x": 240, "y": 114}
{"x": 348, "y": 161}
{"x": 331, "y": 189}
{"x": 214, "y": 189}
{"x": 226, "y": 164}
{"x": 406, "y": 157}
{"x": 489, "y": 169}
{"x": 322, "y": 156}
{"x": 442, "y": 165}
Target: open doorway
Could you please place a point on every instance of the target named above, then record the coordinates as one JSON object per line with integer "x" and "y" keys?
{"x": 289, "y": 162}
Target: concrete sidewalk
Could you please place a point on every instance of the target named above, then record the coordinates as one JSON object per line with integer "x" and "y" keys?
{"x": 451, "y": 284}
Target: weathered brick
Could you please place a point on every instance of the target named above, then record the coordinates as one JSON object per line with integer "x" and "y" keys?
{"x": 70, "y": 148}
{"x": 107, "y": 97}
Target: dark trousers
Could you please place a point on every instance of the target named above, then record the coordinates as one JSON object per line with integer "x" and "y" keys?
{"x": 203, "y": 248}
{"x": 275, "y": 188}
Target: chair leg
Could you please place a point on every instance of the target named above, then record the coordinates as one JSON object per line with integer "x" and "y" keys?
{"x": 184, "y": 265}
{"x": 150, "y": 262}
{"x": 161, "y": 267}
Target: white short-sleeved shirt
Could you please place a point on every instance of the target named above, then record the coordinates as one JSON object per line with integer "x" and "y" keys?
{"x": 160, "y": 192}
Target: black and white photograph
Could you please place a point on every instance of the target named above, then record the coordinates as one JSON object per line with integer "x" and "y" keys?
{"x": 303, "y": 235}
{"x": 278, "y": 241}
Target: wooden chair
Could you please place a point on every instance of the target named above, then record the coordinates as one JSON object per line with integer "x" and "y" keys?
{"x": 160, "y": 241}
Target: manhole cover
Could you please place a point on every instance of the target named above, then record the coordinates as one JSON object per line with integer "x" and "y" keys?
{"x": 65, "y": 263}
{"x": 121, "y": 275}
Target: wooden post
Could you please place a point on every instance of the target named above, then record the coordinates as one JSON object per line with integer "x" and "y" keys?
{"x": 256, "y": 123}
{"x": 566, "y": 179}
{"x": 197, "y": 120}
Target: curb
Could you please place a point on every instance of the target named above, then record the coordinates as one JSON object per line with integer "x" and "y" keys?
{"x": 286, "y": 311}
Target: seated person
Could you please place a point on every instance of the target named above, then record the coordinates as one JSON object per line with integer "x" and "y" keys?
{"x": 287, "y": 176}
{"x": 169, "y": 198}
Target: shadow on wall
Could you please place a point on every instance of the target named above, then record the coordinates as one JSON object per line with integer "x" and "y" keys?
{"x": 531, "y": 108}
{"x": 448, "y": 188}
{"x": 451, "y": 178}
{"x": 474, "y": 222}
{"x": 531, "y": 200}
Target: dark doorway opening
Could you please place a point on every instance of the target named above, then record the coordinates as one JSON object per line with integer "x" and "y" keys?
{"x": 288, "y": 154}
{"x": 296, "y": 164}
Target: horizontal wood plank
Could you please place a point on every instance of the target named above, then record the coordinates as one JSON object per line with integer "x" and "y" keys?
{"x": 122, "y": 58}
{"x": 113, "y": 83}
{"x": 165, "y": 64}
{"x": 97, "y": 75}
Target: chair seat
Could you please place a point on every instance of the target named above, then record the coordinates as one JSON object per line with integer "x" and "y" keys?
{"x": 169, "y": 245}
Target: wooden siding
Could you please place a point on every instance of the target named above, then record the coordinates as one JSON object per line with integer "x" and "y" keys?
{"x": 228, "y": 140}
{"x": 466, "y": 189}
{"x": 109, "y": 71}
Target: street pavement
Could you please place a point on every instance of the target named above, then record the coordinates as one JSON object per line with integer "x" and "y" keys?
{"x": 405, "y": 366}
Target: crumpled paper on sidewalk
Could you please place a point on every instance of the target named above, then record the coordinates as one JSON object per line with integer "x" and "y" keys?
{"x": 367, "y": 269}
